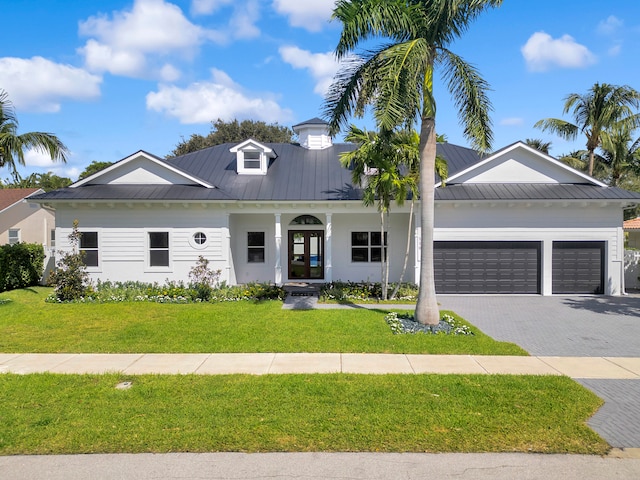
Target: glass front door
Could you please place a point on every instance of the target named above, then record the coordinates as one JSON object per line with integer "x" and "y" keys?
{"x": 306, "y": 255}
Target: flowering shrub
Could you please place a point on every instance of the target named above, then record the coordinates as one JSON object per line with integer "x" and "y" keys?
{"x": 448, "y": 325}
{"x": 171, "y": 292}
{"x": 358, "y": 291}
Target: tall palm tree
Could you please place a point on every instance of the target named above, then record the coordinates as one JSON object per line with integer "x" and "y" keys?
{"x": 620, "y": 155}
{"x": 604, "y": 106}
{"x": 13, "y": 146}
{"x": 396, "y": 79}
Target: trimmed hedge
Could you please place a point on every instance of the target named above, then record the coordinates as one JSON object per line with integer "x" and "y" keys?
{"x": 21, "y": 265}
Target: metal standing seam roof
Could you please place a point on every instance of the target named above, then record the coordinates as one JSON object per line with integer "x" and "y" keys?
{"x": 300, "y": 174}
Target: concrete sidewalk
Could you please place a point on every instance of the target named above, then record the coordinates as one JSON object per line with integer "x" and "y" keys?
{"x": 281, "y": 363}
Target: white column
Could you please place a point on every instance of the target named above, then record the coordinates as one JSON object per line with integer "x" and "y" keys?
{"x": 547, "y": 267}
{"x": 278, "y": 238}
{"x": 327, "y": 251}
{"x": 417, "y": 235}
{"x": 226, "y": 234}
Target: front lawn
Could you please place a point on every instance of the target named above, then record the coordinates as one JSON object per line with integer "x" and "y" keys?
{"x": 64, "y": 414}
{"x": 28, "y": 324}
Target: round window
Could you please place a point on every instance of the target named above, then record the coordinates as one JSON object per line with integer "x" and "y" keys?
{"x": 199, "y": 238}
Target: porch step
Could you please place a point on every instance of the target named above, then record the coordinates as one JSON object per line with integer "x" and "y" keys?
{"x": 302, "y": 289}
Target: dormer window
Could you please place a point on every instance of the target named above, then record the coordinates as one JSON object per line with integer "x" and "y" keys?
{"x": 252, "y": 158}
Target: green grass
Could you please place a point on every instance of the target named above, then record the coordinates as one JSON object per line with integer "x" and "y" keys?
{"x": 60, "y": 414}
{"x": 28, "y": 324}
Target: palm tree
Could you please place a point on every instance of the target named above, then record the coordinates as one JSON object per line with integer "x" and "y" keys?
{"x": 620, "y": 155}
{"x": 538, "y": 144}
{"x": 604, "y": 106}
{"x": 396, "y": 79}
{"x": 12, "y": 145}
{"x": 376, "y": 166}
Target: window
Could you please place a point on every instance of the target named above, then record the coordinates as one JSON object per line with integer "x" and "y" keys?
{"x": 367, "y": 246}
{"x": 199, "y": 238}
{"x": 252, "y": 160}
{"x": 158, "y": 249}
{"x": 14, "y": 235}
{"x": 305, "y": 220}
{"x": 52, "y": 237}
{"x": 255, "y": 247}
{"x": 89, "y": 247}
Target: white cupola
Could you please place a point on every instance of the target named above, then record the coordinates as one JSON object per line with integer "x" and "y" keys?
{"x": 313, "y": 134}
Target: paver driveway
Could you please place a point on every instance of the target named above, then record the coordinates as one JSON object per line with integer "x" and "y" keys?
{"x": 556, "y": 326}
{"x": 571, "y": 326}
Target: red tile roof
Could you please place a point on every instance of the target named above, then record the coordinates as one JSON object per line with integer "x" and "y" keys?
{"x": 9, "y": 196}
{"x": 633, "y": 224}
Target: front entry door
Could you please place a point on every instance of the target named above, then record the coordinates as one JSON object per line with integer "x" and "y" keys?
{"x": 306, "y": 255}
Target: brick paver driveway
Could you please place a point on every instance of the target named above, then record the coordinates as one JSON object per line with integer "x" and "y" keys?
{"x": 571, "y": 326}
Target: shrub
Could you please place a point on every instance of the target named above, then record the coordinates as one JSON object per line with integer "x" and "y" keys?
{"x": 203, "y": 280}
{"x": 355, "y": 291}
{"x": 21, "y": 265}
{"x": 70, "y": 278}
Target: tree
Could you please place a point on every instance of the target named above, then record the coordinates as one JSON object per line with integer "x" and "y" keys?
{"x": 621, "y": 156}
{"x": 46, "y": 181}
{"x": 604, "y": 106}
{"x": 538, "y": 144}
{"x": 12, "y": 145}
{"x": 234, "y": 131}
{"x": 376, "y": 165}
{"x": 396, "y": 80}
{"x": 94, "y": 167}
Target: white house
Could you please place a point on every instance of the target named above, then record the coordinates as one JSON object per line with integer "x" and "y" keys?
{"x": 517, "y": 221}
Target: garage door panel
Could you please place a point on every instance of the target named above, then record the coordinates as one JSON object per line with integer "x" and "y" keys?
{"x": 578, "y": 267}
{"x": 487, "y": 267}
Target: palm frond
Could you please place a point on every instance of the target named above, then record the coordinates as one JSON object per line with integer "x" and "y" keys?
{"x": 469, "y": 91}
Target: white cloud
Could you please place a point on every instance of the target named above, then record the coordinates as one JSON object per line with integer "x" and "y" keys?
{"x": 243, "y": 21}
{"x": 310, "y": 15}
{"x": 38, "y": 84}
{"x": 610, "y": 25}
{"x": 207, "y": 7}
{"x": 122, "y": 44}
{"x": 512, "y": 121}
{"x": 542, "y": 52}
{"x": 38, "y": 158}
{"x": 615, "y": 50}
{"x": 204, "y": 102}
{"x": 321, "y": 66}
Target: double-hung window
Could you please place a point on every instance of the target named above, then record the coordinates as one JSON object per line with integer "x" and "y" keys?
{"x": 367, "y": 246}
{"x": 14, "y": 236}
{"x": 255, "y": 247}
{"x": 89, "y": 248}
{"x": 158, "y": 249}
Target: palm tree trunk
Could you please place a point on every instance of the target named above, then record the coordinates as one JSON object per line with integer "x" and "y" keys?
{"x": 427, "y": 311}
{"x": 591, "y": 162}
{"x": 406, "y": 254}
{"x": 382, "y": 259}
{"x": 386, "y": 260}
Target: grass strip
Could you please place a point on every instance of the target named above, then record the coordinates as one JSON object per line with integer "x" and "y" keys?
{"x": 64, "y": 414}
{"x": 28, "y": 324}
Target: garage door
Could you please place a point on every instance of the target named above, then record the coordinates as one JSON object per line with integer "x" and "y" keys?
{"x": 578, "y": 267}
{"x": 487, "y": 267}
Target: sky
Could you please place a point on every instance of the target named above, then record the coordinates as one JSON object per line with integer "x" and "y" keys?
{"x": 112, "y": 77}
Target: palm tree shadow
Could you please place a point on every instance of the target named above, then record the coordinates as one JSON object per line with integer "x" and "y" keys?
{"x": 625, "y": 305}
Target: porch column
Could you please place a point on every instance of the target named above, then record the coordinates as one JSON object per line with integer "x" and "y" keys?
{"x": 417, "y": 235}
{"x": 226, "y": 234}
{"x": 278, "y": 237}
{"x": 327, "y": 251}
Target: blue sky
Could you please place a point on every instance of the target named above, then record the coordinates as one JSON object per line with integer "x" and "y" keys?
{"x": 116, "y": 76}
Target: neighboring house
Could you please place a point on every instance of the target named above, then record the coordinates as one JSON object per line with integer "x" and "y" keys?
{"x": 516, "y": 221}
{"x": 632, "y": 231}
{"x": 25, "y": 221}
